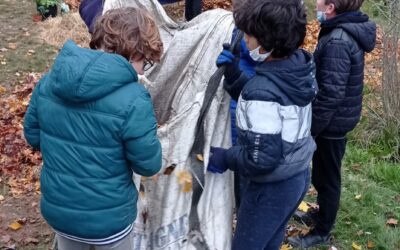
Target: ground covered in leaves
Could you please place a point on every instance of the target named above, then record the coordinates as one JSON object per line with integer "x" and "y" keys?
{"x": 24, "y": 56}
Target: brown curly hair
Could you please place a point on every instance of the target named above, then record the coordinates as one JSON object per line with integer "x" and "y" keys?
{"x": 129, "y": 32}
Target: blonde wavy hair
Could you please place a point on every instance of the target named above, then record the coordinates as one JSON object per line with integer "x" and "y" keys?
{"x": 129, "y": 32}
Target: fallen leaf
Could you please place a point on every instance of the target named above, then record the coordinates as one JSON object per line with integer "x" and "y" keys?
{"x": 170, "y": 169}
{"x": 185, "y": 180}
{"x": 200, "y": 157}
{"x": 305, "y": 231}
{"x": 392, "y": 222}
{"x": 12, "y": 46}
{"x": 5, "y": 238}
{"x": 355, "y": 246}
{"x": 356, "y": 167}
{"x": 31, "y": 240}
{"x": 312, "y": 205}
{"x": 32, "y": 221}
{"x": 22, "y": 221}
{"x": 31, "y": 51}
{"x": 11, "y": 247}
{"x": 3, "y": 63}
{"x": 312, "y": 192}
{"x": 286, "y": 247}
{"x": 2, "y": 90}
{"x": 358, "y": 197}
{"x": 332, "y": 248}
{"x": 370, "y": 245}
{"x": 359, "y": 233}
{"x": 292, "y": 231}
{"x": 3, "y": 50}
{"x": 1, "y": 198}
{"x": 15, "y": 226}
{"x": 303, "y": 207}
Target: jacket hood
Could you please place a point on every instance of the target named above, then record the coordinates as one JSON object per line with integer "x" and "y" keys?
{"x": 83, "y": 75}
{"x": 294, "y": 76}
{"x": 357, "y": 25}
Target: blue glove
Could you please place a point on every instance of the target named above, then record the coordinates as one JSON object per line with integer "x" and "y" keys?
{"x": 231, "y": 62}
{"x": 217, "y": 162}
{"x": 226, "y": 57}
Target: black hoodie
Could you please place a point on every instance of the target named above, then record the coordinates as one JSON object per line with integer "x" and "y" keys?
{"x": 274, "y": 119}
{"x": 339, "y": 59}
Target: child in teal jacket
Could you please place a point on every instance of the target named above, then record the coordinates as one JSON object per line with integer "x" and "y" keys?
{"x": 95, "y": 126}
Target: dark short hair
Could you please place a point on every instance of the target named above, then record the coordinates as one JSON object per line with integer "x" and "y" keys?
{"x": 342, "y": 6}
{"x": 129, "y": 32}
{"x": 278, "y": 25}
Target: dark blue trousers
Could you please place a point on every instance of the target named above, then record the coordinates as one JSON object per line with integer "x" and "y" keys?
{"x": 265, "y": 210}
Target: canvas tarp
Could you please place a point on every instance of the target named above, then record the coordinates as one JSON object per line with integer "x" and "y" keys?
{"x": 177, "y": 86}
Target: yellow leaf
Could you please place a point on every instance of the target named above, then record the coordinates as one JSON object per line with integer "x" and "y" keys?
{"x": 187, "y": 187}
{"x": 355, "y": 246}
{"x": 15, "y": 226}
{"x": 200, "y": 157}
{"x": 286, "y": 247}
{"x": 370, "y": 244}
{"x": 358, "y": 197}
{"x": 303, "y": 207}
{"x": 2, "y": 90}
{"x": 185, "y": 180}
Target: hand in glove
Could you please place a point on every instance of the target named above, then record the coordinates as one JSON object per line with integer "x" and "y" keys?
{"x": 231, "y": 63}
{"x": 217, "y": 162}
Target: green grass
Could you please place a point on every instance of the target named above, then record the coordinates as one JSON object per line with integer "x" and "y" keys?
{"x": 378, "y": 183}
{"x": 17, "y": 27}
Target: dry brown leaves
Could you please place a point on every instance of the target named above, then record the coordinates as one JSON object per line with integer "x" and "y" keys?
{"x": 73, "y": 4}
{"x": 214, "y": 4}
{"x": 373, "y": 63}
{"x": 18, "y": 162}
{"x": 310, "y": 41}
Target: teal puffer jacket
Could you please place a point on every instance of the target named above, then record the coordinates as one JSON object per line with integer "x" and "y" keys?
{"x": 95, "y": 126}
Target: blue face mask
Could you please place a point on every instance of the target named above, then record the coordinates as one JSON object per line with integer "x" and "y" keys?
{"x": 321, "y": 16}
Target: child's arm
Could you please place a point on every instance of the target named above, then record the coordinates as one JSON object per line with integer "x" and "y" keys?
{"x": 234, "y": 87}
{"x": 142, "y": 147}
{"x": 235, "y": 78}
{"x": 31, "y": 122}
{"x": 260, "y": 150}
{"x": 333, "y": 75}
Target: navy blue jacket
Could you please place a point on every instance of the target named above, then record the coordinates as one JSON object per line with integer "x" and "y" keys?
{"x": 274, "y": 119}
{"x": 339, "y": 60}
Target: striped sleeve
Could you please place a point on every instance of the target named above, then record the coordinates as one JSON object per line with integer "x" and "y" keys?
{"x": 260, "y": 128}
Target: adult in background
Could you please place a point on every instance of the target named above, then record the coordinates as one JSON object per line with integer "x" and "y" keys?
{"x": 346, "y": 35}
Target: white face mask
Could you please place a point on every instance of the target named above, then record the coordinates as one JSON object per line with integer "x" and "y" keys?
{"x": 257, "y": 56}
